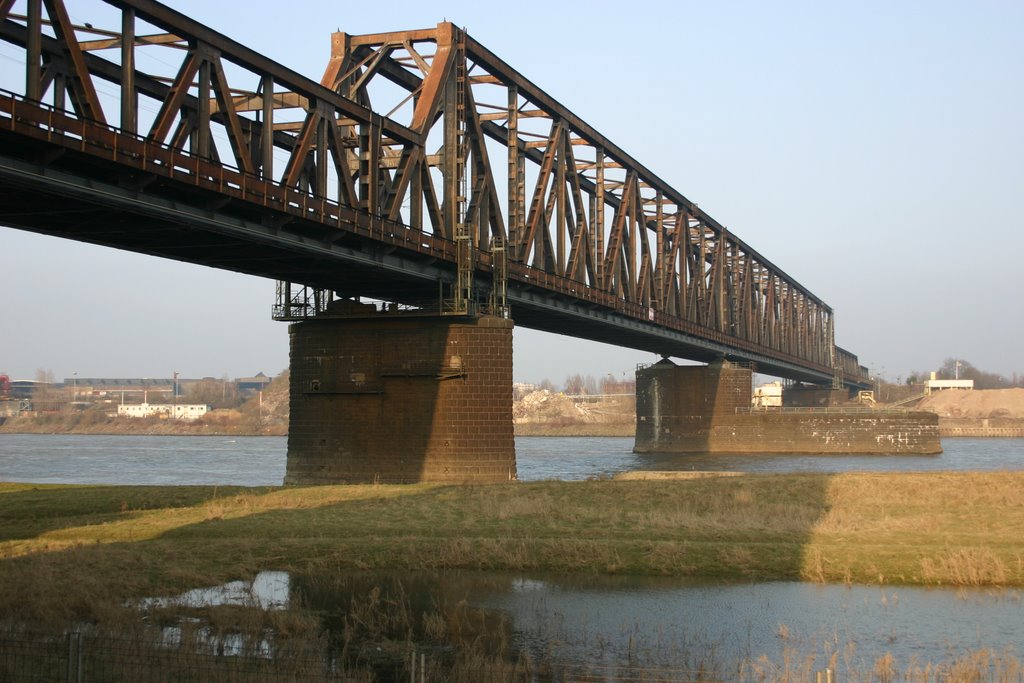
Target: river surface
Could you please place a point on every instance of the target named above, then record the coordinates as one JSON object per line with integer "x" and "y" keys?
{"x": 612, "y": 625}
{"x": 260, "y": 461}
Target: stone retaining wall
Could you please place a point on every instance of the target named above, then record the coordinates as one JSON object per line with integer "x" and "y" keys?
{"x": 996, "y": 427}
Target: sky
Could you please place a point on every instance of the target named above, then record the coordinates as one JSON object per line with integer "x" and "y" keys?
{"x": 872, "y": 150}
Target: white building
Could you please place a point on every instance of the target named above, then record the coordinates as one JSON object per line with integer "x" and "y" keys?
{"x": 180, "y": 411}
{"x": 940, "y": 384}
{"x": 768, "y": 396}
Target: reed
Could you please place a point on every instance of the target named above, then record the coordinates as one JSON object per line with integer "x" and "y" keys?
{"x": 376, "y": 633}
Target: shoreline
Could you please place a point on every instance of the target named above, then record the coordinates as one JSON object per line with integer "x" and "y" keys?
{"x": 949, "y": 427}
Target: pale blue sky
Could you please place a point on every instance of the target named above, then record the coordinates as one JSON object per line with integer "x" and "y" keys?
{"x": 872, "y": 150}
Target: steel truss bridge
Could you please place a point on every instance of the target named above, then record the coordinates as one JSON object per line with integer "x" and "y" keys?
{"x": 419, "y": 158}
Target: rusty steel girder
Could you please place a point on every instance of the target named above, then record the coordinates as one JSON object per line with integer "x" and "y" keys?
{"x": 424, "y": 133}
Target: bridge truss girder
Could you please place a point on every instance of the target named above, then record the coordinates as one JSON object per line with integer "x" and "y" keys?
{"x": 576, "y": 215}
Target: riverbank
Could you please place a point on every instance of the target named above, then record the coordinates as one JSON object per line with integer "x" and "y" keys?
{"x": 104, "y": 545}
{"x": 217, "y": 423}
{"x": 949, "y": 428}
{"x": 989, "y": 413}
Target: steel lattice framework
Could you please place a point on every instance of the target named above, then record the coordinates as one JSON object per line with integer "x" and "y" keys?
{"x": 421, "y": 146}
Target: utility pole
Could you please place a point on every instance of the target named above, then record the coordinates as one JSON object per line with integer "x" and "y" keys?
{"x": 175, "y": 394}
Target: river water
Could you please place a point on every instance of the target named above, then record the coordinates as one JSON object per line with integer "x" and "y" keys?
{"x": 615, "y": 624}
{"x": 260, "y": 461}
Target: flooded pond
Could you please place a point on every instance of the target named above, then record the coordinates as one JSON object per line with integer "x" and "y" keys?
{"x": 605, "y": 626}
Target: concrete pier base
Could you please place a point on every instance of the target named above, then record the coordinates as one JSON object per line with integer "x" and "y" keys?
{"x": 391, "y": 398}
{"x": 706, "y": 409}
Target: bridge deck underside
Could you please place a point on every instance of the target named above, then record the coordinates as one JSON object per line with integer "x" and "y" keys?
{"x": 89, "y": 200}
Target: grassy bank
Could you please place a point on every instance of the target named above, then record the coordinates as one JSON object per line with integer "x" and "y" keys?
{"x": 102, "y": 545}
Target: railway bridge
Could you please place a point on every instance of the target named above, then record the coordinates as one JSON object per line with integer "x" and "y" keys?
{"x": 411, "y": 204}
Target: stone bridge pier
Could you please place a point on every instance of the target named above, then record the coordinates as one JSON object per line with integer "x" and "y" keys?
{"x": 400, "y": 398}
{"x": 707, "y": 409}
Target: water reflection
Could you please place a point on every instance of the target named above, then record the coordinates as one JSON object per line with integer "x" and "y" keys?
{"x": 647, "y": 622}
{"x": 269, "y": 590}
{"x": 605, "y": 626}
{"x": 581, "y": 458}
{"x": 655, "y": 621}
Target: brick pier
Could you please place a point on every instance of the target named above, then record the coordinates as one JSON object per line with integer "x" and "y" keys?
{"x": 395, "y": 398}
{"x": 706, "y": 409}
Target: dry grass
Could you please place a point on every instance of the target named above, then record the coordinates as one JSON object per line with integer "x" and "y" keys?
{"x": 102, "y": 545}
{"x": 945, "y": 528}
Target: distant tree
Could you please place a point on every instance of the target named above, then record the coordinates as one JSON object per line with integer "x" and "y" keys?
{"x": 45, "y": 396}
{"x": 917, "y": 377}
{"x": 578, "y": 384}
{"x": 218, "y": 393}
{"x": 610, "y": 385}
{"x": 546, "y": 385}
{"x": 958, "y": 367}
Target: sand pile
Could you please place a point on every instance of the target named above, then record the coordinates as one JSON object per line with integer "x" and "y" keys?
{"x": 978, "y": 404}
{"x": 275, "y": 398}
{"x": 547, "y": 406}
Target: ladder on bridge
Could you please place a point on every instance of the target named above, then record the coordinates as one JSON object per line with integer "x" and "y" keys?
{"x": 463, "y": 300}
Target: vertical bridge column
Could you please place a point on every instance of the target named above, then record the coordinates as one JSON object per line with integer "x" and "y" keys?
{"x": 689, "y": 408}
{"x": 395, "y": 398}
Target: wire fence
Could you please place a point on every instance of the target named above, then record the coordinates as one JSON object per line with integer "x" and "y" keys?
{"x": 92, "y": 657}
{"x": 831, "y": 410}
{"x": 82, "y": 657}
{"x": 169, "y": 656}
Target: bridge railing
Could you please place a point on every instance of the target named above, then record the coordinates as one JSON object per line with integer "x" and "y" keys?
{"x": 62, "y": 128}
